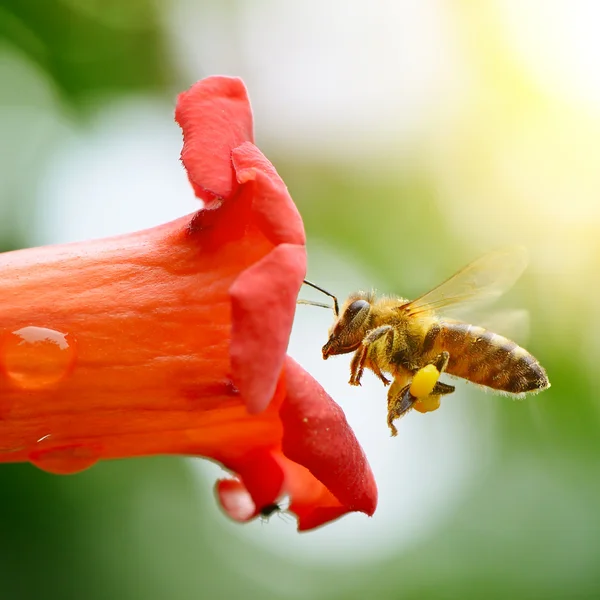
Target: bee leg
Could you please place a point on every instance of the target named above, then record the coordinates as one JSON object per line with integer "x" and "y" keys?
{"x": 432, "y": 401}
{"x": 441, "y": 361}
{"x": 399, "y": 403}
{"x": 442, "y": 389}
{"x": 379, "y": 374}
{"x": 357, "y": 366}
{"x": 425, "y": 380}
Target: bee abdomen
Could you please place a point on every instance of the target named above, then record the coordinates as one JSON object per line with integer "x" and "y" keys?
{"x": 489, "y": 359}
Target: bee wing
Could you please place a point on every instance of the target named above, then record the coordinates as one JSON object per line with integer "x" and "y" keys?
{"x": 512, "y": 323}
{"x": 483, "y": 280}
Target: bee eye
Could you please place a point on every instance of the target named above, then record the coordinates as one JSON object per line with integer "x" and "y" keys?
{"x": 354, "y": 309}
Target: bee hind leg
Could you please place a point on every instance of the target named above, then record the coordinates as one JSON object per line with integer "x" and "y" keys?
{"x": 400, "y": 401}
{"x": 426, "y": 387}
{"x": 440, "y": 362}
{"x": 432, "y": 401}
{"x": 442, "y": 389}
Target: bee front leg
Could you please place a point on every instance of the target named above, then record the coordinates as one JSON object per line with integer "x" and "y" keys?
{"x": 357, "y": 366}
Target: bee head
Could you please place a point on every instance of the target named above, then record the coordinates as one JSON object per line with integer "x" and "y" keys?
{"x": 351, "y": 326}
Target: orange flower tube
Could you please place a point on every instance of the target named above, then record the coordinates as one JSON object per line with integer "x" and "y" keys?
{"x": 173, "y": 340}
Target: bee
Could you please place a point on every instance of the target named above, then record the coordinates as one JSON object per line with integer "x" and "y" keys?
{"x": 413, "y": 343}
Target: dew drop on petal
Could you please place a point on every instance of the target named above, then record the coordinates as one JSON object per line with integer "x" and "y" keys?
{"x": 65, "y": 460}
{"x": 37, "y": 357}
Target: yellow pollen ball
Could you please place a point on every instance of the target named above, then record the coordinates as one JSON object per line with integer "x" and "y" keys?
{"x": 424, "y": 381}
{"x": 427, "y": 404}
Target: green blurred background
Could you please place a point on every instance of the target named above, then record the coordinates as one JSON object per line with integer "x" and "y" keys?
{"x": 414, "y": 136}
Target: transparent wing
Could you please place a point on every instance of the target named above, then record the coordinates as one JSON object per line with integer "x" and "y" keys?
{"x": 483, "y": 280}
{"x": 512, "y": 323}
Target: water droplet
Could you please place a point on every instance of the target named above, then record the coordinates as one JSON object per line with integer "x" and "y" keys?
{"x": 65, "y": 460}
{"x": 37, "y": 357}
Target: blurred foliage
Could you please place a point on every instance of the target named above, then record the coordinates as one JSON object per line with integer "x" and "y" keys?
{"x": 90, "y": 47}
{"x": 90, "y": 51}
{"x": 528, "y": 530}
{"x": 140, "y": 529}
{"x": 388, "y": 226}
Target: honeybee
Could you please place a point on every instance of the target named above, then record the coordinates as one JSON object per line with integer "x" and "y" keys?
{"x": 414, "y": 344}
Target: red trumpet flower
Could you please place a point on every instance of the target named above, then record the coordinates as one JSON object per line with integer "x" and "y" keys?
{"x": 172, "y": 340}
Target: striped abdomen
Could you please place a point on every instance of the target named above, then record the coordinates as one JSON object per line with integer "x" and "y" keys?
{"x": 486, "y": 358}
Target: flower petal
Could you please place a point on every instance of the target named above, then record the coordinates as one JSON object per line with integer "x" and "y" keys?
{"x": 312, "y": 502}
{"x": 263, "y": 303}
{"x": 317, "y": 435}
{"x": 171, "y": 340}
{"x": 273, "y": 207}
{"x": 263, "y": 476}
{"x": 322, "y": 507}
{"x": 235, "y": 499}
{"x": 215, "y": 117}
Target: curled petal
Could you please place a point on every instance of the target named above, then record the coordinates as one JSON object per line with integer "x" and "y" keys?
{"x": 319, "y": 466}
{"x": 235, "y": 499}
{"x": 272, "y": 205}
{"x": 262, "y": 475}
{"x": 215, "y": 117}
{"x": 313, "y": 506}
{"x": 311, "y": 501}
{"x": 317, "y": 435}
{"x": 263, "y": 303}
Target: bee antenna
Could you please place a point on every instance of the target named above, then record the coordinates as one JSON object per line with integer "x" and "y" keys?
{"x": 336, "y": 308}
{"x": 311, "y": 303}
